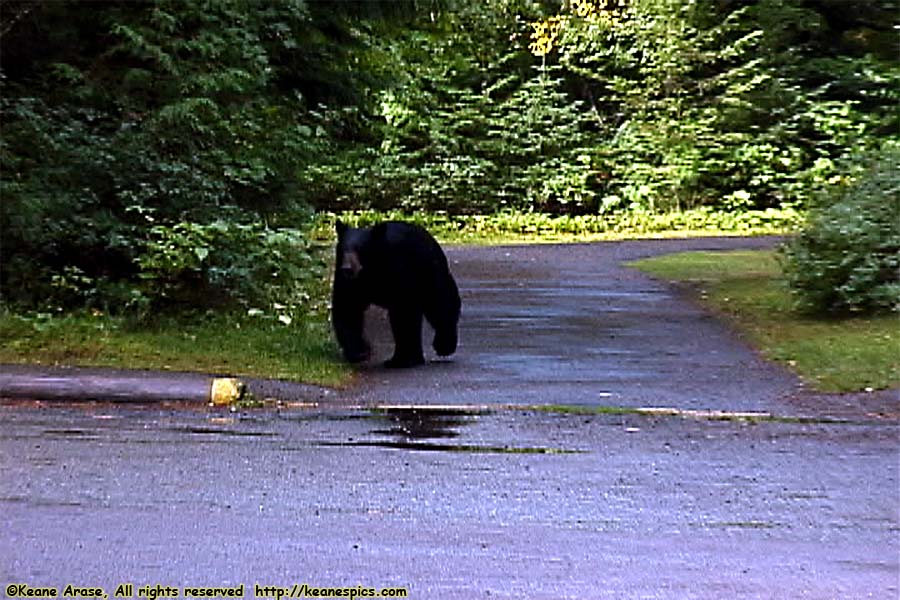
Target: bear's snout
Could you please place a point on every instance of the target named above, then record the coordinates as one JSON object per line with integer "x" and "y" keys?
{"x": 350, "y": 265}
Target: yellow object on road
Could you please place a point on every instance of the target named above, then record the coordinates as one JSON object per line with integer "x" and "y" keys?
{"x": 226, "y": 390}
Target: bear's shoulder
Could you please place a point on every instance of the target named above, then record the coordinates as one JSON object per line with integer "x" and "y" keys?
{"x": 400, "y": 233}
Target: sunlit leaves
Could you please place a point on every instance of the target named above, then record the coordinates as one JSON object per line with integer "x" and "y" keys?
{"x": 545, "y": 33}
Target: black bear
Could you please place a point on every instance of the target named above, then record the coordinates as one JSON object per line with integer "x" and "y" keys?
{"x": 400, "y": 267}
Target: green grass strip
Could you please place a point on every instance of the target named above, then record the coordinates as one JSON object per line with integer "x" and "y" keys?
{"x": 831, "y": 354}
{"x": 232, "y": 344}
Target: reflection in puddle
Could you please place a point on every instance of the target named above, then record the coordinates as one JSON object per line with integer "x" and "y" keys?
{"x": 39, "y": 502}
{"x": 78, "y": 434}
{"x": 201, "y": 430}
{"x": 412, "y": 428}
{"x": 465, "y": 448}
{"x": 424, "y": 423}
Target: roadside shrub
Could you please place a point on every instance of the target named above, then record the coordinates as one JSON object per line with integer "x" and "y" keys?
{"x": 227, "y": 263}
{"x": 136, "y": 176}
{"x": 847, "y": 258}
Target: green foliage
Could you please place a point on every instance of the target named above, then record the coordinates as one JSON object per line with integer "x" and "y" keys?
{"x": 848, "y": 256}
{"x": 262, "y": 268}
{"x": 628, "y": 106}
{"x": 469, "y": 126}
{"x": 702, "y": 106}
{"x": 139, "y": 165}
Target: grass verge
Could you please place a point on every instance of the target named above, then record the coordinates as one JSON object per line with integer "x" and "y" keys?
{"x": 832, "y": 354}
{"x": 222, "y": 343}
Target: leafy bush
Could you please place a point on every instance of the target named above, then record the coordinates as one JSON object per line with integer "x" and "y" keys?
{"x": 144, "y": 145}
{"x": 848, "y": 256}
{"x": 226, "y": 262}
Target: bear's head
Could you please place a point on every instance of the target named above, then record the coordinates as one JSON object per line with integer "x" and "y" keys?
{"x": 350, "y": 247}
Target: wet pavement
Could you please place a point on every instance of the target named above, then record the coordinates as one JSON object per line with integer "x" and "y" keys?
{"x": 570, "y": 325}
{"x": 522, "y": 473}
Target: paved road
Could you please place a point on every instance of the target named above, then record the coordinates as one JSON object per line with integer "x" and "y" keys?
{"x": 497, "y": 502}
{"x": 570, "y": 325}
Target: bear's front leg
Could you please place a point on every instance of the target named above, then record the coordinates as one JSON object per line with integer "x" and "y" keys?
{"x": 442, "y": 312}
{"x": 348, "y": 320}
{"x": 406, "y": 325}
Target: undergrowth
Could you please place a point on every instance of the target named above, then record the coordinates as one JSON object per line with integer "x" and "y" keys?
{"x": 540, "y": 227}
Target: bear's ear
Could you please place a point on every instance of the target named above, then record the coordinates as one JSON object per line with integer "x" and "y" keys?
{"x": 340, "y": 227}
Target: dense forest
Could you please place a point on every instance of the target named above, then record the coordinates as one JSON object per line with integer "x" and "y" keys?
{"x": 177, "y": 152}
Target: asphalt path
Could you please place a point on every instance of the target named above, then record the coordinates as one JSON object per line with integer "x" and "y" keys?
{"x": 518, "y": 469}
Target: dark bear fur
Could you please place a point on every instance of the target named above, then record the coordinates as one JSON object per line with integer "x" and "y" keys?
{"x": 399, "y": 267}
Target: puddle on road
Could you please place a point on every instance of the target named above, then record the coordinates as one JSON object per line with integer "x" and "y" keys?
{"x": 76, "y": 434}
{"x": 476, "y": 429}
{"x": 39, "y": 502}
{"x": 221, "y": 431}
{"x": 412, "y": 428}
{"x": 421, "y": 424}
{"x": 463, "y": 448}
{"x": 739, "y": 525}
{"x": 421, "y": 428}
